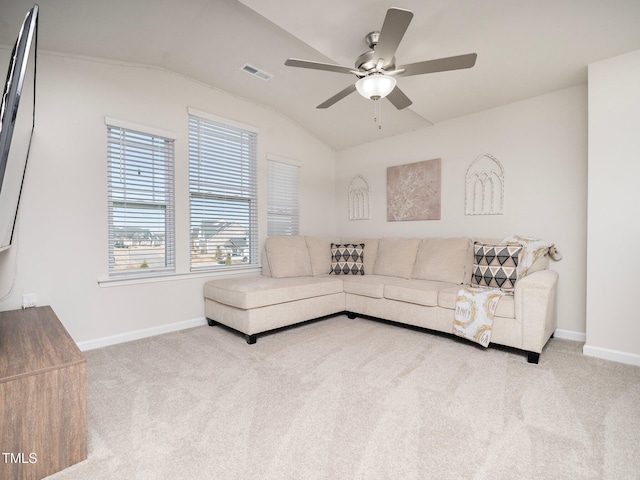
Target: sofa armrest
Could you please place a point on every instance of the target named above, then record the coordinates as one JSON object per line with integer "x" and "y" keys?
{"x": 535, "y": 301}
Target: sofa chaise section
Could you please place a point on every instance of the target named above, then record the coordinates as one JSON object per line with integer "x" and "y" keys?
{"x": 254, "y": 304}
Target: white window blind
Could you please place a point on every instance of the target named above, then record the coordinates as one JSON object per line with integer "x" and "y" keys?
{"x": 223, "y": 194}
{"x": 141, "y": 202}
{"x": 283, "y": 213}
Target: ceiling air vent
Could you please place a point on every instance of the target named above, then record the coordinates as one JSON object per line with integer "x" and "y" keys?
{"x": 256, "y": 72}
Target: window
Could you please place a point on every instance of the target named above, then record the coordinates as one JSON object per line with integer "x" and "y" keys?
{"x": 140, "y": 196}
{"x": 283, "y": 178}
{"x": 223, "y": 192}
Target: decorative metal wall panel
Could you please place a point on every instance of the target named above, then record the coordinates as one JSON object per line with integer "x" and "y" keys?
{"x": 359, "y": 201}
{"x": 484, "y": 187}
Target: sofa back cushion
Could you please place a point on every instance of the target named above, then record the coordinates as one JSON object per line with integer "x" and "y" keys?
{"x": 443, "y": 260}
{"x": 396, "y": 257}
{"x": 288, "y": 256}
{"x": 320, "y": 254}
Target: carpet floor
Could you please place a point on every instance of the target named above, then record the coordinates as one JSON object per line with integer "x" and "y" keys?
{"x": 354, "y": 399}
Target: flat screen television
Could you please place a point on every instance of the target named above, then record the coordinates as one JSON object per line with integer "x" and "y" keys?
{"x": 17, "y": 121}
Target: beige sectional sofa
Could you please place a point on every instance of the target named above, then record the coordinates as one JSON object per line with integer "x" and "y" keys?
{"x": 411, "y": 281}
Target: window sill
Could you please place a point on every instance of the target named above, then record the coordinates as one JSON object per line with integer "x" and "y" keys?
{"x": 174, "y": 277}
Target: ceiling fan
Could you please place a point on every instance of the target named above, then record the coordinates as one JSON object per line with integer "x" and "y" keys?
{"x": 376, "y": 69}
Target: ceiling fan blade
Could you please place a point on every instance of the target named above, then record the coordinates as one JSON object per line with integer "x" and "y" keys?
{"x": 338, "y": 96}
{"x": 399, "y": 99}
{"x": 294, "y": 62}
{"x": 393, "y": 29}
{"x": 440, "y": 65}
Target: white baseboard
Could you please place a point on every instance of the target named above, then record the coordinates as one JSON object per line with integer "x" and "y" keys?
{"x": 613, "y": 355}
{"x": 604, "y": 353}
{"x": 570, "y": 335}
{"x": 598, "y": 352}
{"x": 138, "y": 334}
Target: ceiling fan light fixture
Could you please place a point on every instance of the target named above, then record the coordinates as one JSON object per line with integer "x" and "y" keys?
{"x": 375, "y": 86}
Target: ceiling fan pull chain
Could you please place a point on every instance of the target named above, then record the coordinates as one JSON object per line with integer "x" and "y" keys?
{"x": 377, "y": 112}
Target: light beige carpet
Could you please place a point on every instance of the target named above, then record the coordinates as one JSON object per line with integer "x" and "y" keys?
{"x": 355, "y": 399}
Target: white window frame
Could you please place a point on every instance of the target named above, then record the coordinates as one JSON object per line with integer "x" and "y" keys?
{"x": 223, "y": 193}
{"x": 283, "y": 196}
{"x": 152, "y": 152}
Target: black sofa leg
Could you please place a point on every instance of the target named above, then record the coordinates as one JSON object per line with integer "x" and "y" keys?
{"x": 212, "y": 323}
{"x": 533, "y": 357}
{"x": 251, "y": 339}
{"x": 351, "y": 315}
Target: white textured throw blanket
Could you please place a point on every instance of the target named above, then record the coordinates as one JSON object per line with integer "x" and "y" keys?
{"x": 532, "y": 250}
{"x": 475, "y": 308}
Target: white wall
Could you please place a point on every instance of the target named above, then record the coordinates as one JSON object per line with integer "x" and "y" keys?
{"x": 61, "y": 248}
{"x": 542, "y": 145}
{"x": 62, "y": 240}
{"x": 613, "y": 317}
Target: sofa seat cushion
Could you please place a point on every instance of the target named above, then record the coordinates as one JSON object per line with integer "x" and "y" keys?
{"x": 254, "y": 291}
{"x": 420, "y": 292}
{"x": 447, "y": 299}
{"x": 365, "y": 285}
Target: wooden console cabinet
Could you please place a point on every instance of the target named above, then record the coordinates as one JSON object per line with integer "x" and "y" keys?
{"x": 43, "y": 400}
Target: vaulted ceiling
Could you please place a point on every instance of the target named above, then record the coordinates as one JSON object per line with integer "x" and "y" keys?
{"x": 525, "y": 48}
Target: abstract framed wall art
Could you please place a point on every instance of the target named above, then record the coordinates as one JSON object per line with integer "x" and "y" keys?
{"x": 414, "y": 191}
